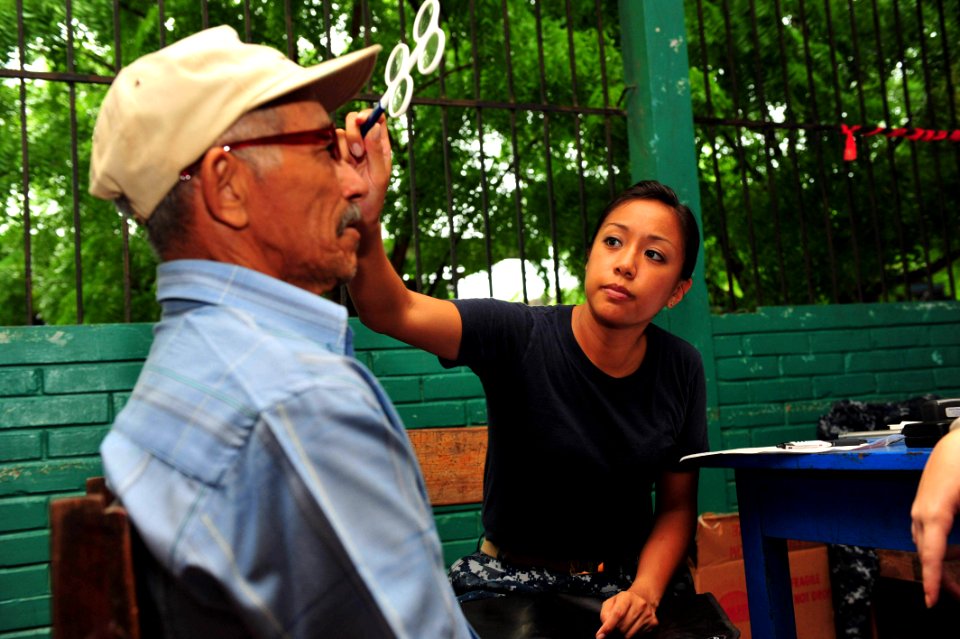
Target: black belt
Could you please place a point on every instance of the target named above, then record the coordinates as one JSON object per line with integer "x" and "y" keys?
{"x": 570, "y": 566}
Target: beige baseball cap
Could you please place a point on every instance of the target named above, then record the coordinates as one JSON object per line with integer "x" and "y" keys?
{"x": 165, "y": 109}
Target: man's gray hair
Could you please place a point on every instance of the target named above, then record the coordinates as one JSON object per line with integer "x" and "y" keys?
{"x": 169, "y": 223}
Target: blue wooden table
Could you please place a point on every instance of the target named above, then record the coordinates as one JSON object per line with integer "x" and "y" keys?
{"x": 861, "y": 498}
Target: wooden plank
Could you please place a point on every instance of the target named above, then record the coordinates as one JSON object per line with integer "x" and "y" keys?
{"x": 452, "y": 461}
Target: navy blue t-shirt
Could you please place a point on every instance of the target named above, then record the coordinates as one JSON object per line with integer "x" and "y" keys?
{"x": 573, "y": 453}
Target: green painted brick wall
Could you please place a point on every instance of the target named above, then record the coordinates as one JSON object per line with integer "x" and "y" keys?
{"x": 460, "y": 529}
{"x": 19, "y": 381}
{"x": 778, "y": 370}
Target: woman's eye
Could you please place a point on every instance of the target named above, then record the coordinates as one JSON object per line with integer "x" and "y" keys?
{"x": 654, "y": 255}
{"x": 612, "y": 241}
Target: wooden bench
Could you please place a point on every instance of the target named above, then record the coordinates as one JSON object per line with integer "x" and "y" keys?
{"x": 94, "y": 549}
{"x": 452, "y": 461}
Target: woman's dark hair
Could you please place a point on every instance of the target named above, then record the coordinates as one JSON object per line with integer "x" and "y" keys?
{"x": 653, "y": 190}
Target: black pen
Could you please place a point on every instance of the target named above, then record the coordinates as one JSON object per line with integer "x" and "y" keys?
{"x": 820, "y": 444}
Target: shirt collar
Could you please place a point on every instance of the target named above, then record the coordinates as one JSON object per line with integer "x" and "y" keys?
{"x": 184, "y": 284}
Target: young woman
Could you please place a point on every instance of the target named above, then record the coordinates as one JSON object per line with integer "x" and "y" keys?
{"x": 589, "y": 408}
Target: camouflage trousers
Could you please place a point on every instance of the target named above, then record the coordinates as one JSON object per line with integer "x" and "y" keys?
{"x": 479, "y": 575}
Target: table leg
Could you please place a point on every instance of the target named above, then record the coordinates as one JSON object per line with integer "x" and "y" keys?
{"x": 766, "y": 564}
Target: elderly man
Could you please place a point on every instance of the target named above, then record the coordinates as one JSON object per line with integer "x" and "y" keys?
{"x": 264, "y": 467}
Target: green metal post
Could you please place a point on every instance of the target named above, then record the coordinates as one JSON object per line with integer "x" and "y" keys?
{"x": 660, "y": 131}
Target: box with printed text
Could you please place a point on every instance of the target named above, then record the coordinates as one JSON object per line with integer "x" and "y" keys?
{"x": 720, "y": 571}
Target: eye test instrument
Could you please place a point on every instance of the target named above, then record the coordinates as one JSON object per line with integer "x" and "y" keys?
{"x": 426, "y": 55}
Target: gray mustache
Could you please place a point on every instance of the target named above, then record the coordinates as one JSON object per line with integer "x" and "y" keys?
{"x": 350, "y": 216}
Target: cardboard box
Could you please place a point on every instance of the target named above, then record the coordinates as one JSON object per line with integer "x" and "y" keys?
{"x": 720, "y": 571}
{"x": 718, "y": 539}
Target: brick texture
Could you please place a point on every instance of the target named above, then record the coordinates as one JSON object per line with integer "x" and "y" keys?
{"x": 23, "y": 513}
{"x": 26, "y": 581}
{"x": 19, "y": 381}
{"x": 428, "y": 414}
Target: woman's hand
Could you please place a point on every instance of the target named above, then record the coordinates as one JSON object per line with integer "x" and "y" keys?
{"x": 635, "y": 609}
{"x": 371, "y": 157}
{"x": 629, "y": 612}
{"x": 933, "y": 512}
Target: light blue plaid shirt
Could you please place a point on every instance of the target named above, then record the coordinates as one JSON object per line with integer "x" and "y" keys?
{"x": 268, "y": 472}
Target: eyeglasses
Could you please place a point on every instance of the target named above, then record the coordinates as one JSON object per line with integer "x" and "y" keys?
{"x": 324, "y": 136}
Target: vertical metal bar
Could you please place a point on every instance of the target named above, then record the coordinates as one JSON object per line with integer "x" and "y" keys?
{"x": 204, "y": 14}
{"x": 365, "y": 20}
{"x": 124, "y": 223}
{"x": 161, "y": 18}
{"x": 448, "y": 179}
{"x": 718, "y": 182}
{"x": 547, "y": 155}
{"x": 247, "y": 34}
{"x": 328, "y": 22}
{"x": 484, "y": 194}
{"x": 572, "y": 54}
{"x": 288, "y": 26}
{"x": 25, "y": 156}
{"x": 934, "y": 150}
{"x": 414, "y": 216}
{"x": 75, "y": 169}
{"x": 952, "y": 125}
{"x": 817, "y": 139}
{"x": 767, "y": 144}
{"x": 608, "y": 134}
{"x": 741, "y": 158}
{"x": 918, "y": 186}
{"x": 792, "y": 154}
{"x": 848, "y": 183}
{"x": 365, "y": 9}
{"x": 516, "y": 150}
{"x": 412, "y": 178}
{"x": 867, "y": 159}
{"x": 948, "y": 76}
{"x": 891, "y": 152}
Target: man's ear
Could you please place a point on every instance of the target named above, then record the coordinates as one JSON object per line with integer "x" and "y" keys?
{"x": 225, "y": 187}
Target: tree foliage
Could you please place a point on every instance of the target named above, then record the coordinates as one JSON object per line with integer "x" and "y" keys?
{"x": 510, "y": 150}
{"x": 787, "y": 220}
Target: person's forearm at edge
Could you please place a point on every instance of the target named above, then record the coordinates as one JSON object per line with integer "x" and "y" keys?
{"x": 377, "y": 291}
{"x": 665, "y": 549}
{"x": 383, "y": 302}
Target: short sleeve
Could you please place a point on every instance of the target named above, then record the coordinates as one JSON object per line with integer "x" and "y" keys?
{"x": 494, "y": 331}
